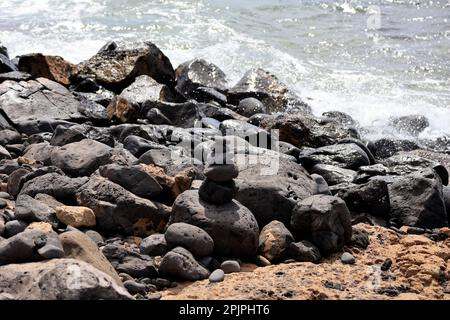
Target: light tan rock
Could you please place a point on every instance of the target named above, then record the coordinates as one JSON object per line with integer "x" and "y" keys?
{"x": 78, "y": 245}
{"x": 41, "y": 226}
{"x": 76, "y": 216}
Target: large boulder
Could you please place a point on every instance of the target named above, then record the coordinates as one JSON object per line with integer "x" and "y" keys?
{"x": 118, "y": 210}
{"x": 6, "y": 65}
{"x": 51, "y": 67}
{"x": 199, "y": 73}
{"x": 260, "y": 84}
{"x": 59, "y": 279}
{"x": 417, "y": 200}
{"x": 272, "y": 195}
{"x": 78, "y": 245}
{"x": 190, "y": 237}
{"x": 274, "y": 241}
{"x": 143, "y": 92}
{"x": 324, "y": 220}
{"x": 371, "y": 197}
{"x": 39, "y": 99}
{"x": 184, "y": 115}
{"x": 179, "y": 263}
{"x": 232, "y": 226}
{"x": 84, "y": 157}
{"x": 117, "y": 67}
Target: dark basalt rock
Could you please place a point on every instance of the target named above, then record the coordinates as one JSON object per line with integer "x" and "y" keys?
{"x": 324, "y": 220}
{"x": 32, "y": 210}
{"x": 272, "y": 194}
{"x": 387, "y": 147}
{"x": 347, "y": 156}
{"x": 304, "y": 251}
{"x": 138, "y": 146}
{"x": 154, "y": 245}
{"x": 64, "y": 135}
{"x": 199, "y": 73}
{"x": 15, "y": 76}
{"x": 144, "y": 92}
{"x": 183, "y": 115}
{"x": 360, "y": 238}
{"x": 132, "y": 178}
{"x": 411, "y": 124}
{"x": 340, "y": 118}
{"x": 232, "y": 226}
{"x": 250, "y": 106}
{"x": 179, "y": 263}
{"x": 306, "y": 131}
{"x": 118, "y": 210}
{"x": 117, "y": 68}
{"x": 6, "y": 65}
{"x": 190, "y": 237}
{"x": 334, "y": 175}
{"x": 260, "y": 84}
{"x": 417, "y": 200}
{"x": 372, "y": 198}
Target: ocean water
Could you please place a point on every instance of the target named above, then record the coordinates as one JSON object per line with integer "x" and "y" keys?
{"x": 373, "y": 59}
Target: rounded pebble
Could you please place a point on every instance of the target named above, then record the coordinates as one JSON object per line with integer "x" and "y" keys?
{"x": 347, "y": 258}
{"x": 230, "y": 266}
{"x": 217, "y": 276}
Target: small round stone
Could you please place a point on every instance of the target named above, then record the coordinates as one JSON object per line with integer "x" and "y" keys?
{"x": 221, "y": 172}
{"x": 3, "y": 203}
{"x": 217, "y": 276}
{"x": 5, "y": 195}
{"x": 347, "y": 258}
{"x": 134, "y": 287}
{"x": 230, "y": 266}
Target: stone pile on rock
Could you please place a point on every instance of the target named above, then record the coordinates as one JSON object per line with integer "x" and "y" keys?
{"x": 139, "y": 176}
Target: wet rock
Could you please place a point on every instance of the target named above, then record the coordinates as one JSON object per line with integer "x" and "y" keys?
{"x": 143, "y": 92}
{"x": 325, "y": 220}
{"x": 217, "y": 276}
{"x": 132, "y": 178}
{"x": 387, "y": 147}
{"x": 217, "y": 193}
{"x": 179, "y": 263}
{"x": 130, "y": 262}
{"x": 183, "y": 115}
{"x": 118, "y": 68}
{"x": 271, "y": 192}
{"x": 417, "y": 200}
{"x": 230, "y": 266}
{"x": 154, "y": 245}
{"x": 4, "y": 154}
{"x": 81, "y": 158}
{"x": 199, "y": 73}
{"x": 402, "y": 164}
{"x": 274, "y": 241}
{"x": 205, "y": 94}
{"x": 64, "y": 135}
{"x": 303, "y": 130}
{"x": 304, "y": 251}
{"x": 39, "y": 99}
{"x": 340, "y": 118}
{"x": 94, "y": 111}
{"x": 80, "y": 246}
{"x": 32, "y": 210}
{"x": 6, "y": 65}
{"x": 260, "y": 84}
{"x": 138, "y": 146}
{"x": 346, "y": 155}
{"x": 155, "y": 116}
{"x": 59, "y": 279}
{"x": 76, "y": 216}
{"x": 347, "y": 258}
{"x": 411, "y": 124}
{"x": 51, "y": 67}
{"x": 232, "y": 227}
{"x": 190, "y": 237}
{"x": 333, "y": 175}
{"x": 372, "y": 198}
{"x": 250, "y": 106}
{"x": 118, "y": 210}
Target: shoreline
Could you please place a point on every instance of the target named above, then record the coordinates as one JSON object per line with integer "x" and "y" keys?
{"x": 114, "y": 168}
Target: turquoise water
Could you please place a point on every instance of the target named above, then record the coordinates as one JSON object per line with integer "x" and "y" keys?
{"x": 371, "y": 59}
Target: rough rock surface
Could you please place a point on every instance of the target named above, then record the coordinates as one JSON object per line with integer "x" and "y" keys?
{"x": 417, "y": 266}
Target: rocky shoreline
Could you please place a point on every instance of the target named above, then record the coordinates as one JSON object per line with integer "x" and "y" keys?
{"x": 124, "y": 178}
